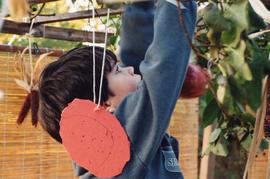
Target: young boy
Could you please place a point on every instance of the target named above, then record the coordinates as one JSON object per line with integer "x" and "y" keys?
{"x": 153, "y": 44}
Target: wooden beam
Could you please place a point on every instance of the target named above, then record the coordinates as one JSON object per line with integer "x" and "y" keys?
{"x": 11, "y": 48}
{"x": 51, "y": 32}
{"x": 40, "y": 1}
{"x": 75, "y": 15}
{"x": 207, "y": 161}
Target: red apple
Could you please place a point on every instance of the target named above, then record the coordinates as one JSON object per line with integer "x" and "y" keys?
{"x": 195, "y": 83}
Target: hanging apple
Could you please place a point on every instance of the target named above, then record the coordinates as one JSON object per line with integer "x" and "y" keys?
{"x": 195, "y": 83}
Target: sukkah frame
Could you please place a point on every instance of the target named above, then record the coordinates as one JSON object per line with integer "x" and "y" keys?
{"x": 58, "y": 33}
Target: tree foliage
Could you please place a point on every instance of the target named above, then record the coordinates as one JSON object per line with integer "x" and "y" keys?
{"x": 237, "y": 65}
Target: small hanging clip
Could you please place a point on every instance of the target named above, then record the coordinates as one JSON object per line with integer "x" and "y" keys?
{"x": 36, "y": 48}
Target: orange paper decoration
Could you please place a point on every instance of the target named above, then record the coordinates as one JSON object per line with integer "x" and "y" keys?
{"x": 94, "y": 139}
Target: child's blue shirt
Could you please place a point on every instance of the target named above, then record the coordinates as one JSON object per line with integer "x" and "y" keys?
{"x": 159, "y": 50}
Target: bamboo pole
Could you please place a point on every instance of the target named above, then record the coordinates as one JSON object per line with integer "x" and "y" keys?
{"x": 207, "y": 161}
{"x": 258, "y": 131}
{"x": 268, "y": 165}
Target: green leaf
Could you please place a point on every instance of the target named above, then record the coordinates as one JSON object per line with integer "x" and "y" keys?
{"x": 236, "y": 88}
{"x": 222, "y": 88}
{"x": 231, "y": 37}
{"x": 112, "y": 40}
{"x": 248, "y": 118}
{"x": 229, "y": 104}
{"x": 213, "y": 18}
{"x": 241, "y": 132}
{"x": 236, "y": 57}
{"x": 223, "y": 67}
{"x": 238, "y": 13}
{"x": 221, "y": 92}
{"x": 246, "y": 142}
{"x": 220, "y": 149}
{"x": 214, "y": 135}
{"x": 254, "y": 87}
{"x": 254, "y": 100}
{"x": 255, "y": 21}
{"x": 238, "y": 16}
{"x": 224, "y": 125}
{"x": 207, "y": 150}
{"x": 264, "y": 144}
{"x": 34, "y": 7}
{"x": 204, "y": 100}
{"x": 211, "y": 113}
{"x": 239, "y": 107}
{"x": 213, "y": 36}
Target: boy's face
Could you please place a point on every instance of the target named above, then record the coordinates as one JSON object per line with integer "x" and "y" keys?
{"x": 122, "y": 81}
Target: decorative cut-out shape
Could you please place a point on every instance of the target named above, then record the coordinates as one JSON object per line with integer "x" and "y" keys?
{"x": 94, "y": 139}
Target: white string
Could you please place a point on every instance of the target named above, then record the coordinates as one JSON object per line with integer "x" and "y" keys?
{"x": 31, "y": 84}
{"x": 30, "y": 53}
{"x": 94, "y": 56}
{"x": 44, "y": 31}
{"x": 104, "y": 55}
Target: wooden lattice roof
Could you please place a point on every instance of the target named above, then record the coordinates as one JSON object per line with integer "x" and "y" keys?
{"x": 58, "y": 33}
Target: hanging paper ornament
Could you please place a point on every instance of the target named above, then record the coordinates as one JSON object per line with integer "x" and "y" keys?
{"x": 94, "y": 139}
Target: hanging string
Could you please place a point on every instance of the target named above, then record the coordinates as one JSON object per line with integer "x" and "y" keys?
{"x": 94, "y": 56}
{"x": 44, "y": 31}
{"x": 31, "y": 84}
{"x": 30, "y": 53}
{"x": 104, "y": 55}
{"x": 31, "y": 79}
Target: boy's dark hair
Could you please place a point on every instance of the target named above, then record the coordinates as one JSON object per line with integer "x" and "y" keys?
{"x": 71, "y": 76}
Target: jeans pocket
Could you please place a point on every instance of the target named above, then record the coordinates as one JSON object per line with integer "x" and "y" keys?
{"x": 170, "y": 161}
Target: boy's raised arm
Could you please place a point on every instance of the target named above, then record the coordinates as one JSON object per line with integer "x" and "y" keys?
{"x": 146, "y": 113}
{"x": 136, "y": 33}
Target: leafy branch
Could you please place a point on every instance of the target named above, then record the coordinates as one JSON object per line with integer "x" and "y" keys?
{"x": 240, "y": 64}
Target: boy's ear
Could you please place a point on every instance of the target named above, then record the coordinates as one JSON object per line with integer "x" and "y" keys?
{"x": 110, "y": 109}
{"x": 109, "y": 106}
{"x": 107, "y": 103}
